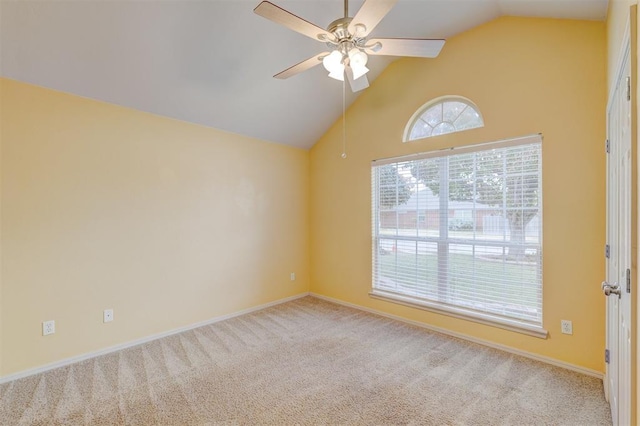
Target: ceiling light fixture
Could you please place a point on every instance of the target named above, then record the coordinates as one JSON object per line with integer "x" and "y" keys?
{"x": 334, "y": 63}
{"x": 358, "y": 61}
{"x": 349, "y": 41}
{"x": 346, "y": 54}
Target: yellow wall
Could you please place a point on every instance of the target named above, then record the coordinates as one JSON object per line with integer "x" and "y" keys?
{"x": 166, "y": 222}
{"x": 527, "y": 76}
{"x": 170, "y": 223}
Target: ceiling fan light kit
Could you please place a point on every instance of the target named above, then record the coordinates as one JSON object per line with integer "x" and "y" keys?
{"x": 358, "y": 61}
{"x": 347, "y": 39}
{"x": 337, "y": 61}
{"x": 334, "y": 63}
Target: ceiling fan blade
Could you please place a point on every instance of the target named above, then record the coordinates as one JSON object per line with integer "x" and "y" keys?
{"x": 356, "y": 85}
{"x": 369, "y": 15}
{"x": 421, "y": 48}
{"x": 280, "y": 16}
{"x": 302, "y": 66}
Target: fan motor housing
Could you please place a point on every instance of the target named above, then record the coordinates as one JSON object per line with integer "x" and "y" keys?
{"x": 340, "y": 28}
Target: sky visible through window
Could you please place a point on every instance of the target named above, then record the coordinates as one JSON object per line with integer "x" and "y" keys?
{"x": 447, "y": 116}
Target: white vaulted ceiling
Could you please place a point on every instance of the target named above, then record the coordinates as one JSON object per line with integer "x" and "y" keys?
{"x": 211, "y": 62}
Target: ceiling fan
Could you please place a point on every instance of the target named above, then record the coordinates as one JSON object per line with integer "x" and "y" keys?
{"x": 348, "y": 41}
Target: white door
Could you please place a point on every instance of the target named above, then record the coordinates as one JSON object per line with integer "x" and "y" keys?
{"x": 617, "y": 286}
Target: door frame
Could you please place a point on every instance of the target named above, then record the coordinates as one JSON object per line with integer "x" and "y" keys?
{"x": 630, "y": 45}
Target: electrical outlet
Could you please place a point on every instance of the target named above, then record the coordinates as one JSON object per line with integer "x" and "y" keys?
{"x": 566, "y": 326}
{"x": 48, "y": 327}
{"x": 108, "y": 315}
{"x": 293, "y": 276}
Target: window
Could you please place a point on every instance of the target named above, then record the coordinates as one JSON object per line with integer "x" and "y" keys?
{"x": 443, "y": 115}
{"x": 460, "y": 231}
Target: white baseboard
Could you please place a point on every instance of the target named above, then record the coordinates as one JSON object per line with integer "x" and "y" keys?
{"x": 78, "y": 358}
{"x": 505, "y": 348}
{"x": 71, "y": 360}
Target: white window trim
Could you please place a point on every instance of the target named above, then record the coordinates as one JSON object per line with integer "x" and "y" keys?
{"x": 455, "y": 311}
{"x": 461, "y": 313}
{"x": 523, "y": 140}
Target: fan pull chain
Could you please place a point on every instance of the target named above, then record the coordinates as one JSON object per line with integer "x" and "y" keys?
{"x": 344, "y": 119}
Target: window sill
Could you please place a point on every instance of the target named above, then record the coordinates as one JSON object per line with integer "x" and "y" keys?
{"x": 465, "y": 314}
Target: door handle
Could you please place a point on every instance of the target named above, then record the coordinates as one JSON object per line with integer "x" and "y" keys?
{"x": 608, "y": 289}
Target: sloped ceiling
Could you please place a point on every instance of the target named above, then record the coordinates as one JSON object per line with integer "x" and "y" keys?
{"x": 212, "y": 62}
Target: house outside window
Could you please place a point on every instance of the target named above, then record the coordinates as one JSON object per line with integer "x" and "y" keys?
{"x": 460, "y": 232}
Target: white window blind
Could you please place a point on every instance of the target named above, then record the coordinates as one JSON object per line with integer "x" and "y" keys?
{"x": 461, "y": 230}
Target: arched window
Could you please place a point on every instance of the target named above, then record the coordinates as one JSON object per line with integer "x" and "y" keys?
{"x": 443, "y": 115}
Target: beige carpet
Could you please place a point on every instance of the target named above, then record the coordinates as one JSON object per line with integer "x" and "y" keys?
{"x": 306, "y": 362}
